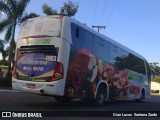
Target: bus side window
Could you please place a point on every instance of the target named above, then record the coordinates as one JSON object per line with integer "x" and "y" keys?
{"x": 88, "y": 40}
{"x": 100, "y": 48}
{"x": 106, "y": 51}
{"x": 149, "y": 72}
{"x": 77, "y": 35}
{"x": 136, "y": 64}
{"x": 114, "y": 53}
{"x": 77, "y": 32}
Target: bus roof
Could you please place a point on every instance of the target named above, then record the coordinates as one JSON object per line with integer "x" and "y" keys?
{"x": 72, "y": 20}
{"x": 104, "y": 37}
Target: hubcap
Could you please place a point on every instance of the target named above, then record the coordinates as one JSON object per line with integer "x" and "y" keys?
{"x": 101, "y": 97}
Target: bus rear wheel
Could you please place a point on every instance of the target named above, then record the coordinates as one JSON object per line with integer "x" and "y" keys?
{"x": 142, "y": 96}
{"x": 101, "y": 95}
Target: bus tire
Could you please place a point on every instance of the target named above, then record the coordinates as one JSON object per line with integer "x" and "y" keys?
{"x": 142, "y": 96}
{"x": 62, "y": 99}
{"x": 101, "y": 95}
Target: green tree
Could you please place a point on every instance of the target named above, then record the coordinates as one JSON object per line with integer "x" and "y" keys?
{"x": 0, "y": 15}
{"x": 14, "y": 10}
{"x": 2, "y": 62}
{"x": 155, "y": 67}
{"x": 154, "y": 64}
{"x": 48, "y": 10}
{"x": 28, "y": 16}
{"x": 157, "y": 70}
{"x": 3, "y": 50}
{"x": 69, "y": 9}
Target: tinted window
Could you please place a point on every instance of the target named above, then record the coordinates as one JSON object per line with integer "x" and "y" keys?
{"x": 88, "y": 40}
{"x": 121, "y": 61}
{"x": 148, "y": 72}
{"x": 136, "y": 64}
{"x": 83, "y": 40}
{"x": 76, "y": 40}
{"x": 114, "y": 53}
{"x": 100, "y": 48}
{"x": 106, "y": 51}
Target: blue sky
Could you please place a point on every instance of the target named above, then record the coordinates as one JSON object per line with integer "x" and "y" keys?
{"x": 133, "y": 23}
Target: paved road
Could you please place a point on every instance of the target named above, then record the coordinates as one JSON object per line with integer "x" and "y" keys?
{"x": 17, "y": 101}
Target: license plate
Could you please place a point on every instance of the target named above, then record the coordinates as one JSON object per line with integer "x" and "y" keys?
{"x": 29, "y": 85}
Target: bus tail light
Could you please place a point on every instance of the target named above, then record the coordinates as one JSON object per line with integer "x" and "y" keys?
{"x": 58, "y": 74}
{"x": 14, "y": 69}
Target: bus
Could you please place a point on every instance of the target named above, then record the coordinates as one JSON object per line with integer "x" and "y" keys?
{"x": 59, "y": 56}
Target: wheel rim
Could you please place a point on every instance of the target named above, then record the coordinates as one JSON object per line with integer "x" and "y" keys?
{"x": 142, "y": 96}
{"x": 101, "y": 97}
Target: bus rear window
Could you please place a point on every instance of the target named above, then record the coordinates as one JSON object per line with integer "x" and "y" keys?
{"x": 36, "y": 63}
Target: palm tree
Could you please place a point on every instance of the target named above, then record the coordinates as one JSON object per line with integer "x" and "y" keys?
{"x": 14, "y": 10}
{"x": 0, "y": 15}
{"x": 27, "y": 16}
{"x": 2, "y": 50}
{"x": 69, "y": 9}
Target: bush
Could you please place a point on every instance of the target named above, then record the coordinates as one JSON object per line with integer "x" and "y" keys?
{"x": 5, "y": 63}
{"x": 157, "y": 79}
{"x": 6, "y": 82}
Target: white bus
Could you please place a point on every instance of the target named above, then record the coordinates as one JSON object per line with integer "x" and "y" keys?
{"x": 61, "y": 57}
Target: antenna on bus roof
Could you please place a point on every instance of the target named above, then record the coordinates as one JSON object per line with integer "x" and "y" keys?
{"x": 99, "y": 27}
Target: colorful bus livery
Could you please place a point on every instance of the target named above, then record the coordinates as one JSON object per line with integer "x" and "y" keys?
{"x": 36, "y": 64}
{"x": 60, "y": 57}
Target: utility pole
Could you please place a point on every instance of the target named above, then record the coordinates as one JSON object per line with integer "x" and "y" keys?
{"x": 99, "y": 27}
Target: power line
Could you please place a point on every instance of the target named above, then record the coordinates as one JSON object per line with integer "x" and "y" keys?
{"x": 111, "y": 11}
{"x": 103, "y": 12}
{"x": 95, "y": 9}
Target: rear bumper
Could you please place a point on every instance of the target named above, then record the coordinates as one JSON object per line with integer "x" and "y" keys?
{"x": 55, "y": 88}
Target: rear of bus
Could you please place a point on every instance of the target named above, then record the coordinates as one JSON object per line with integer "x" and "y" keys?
{"x": 39, "y": 65}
